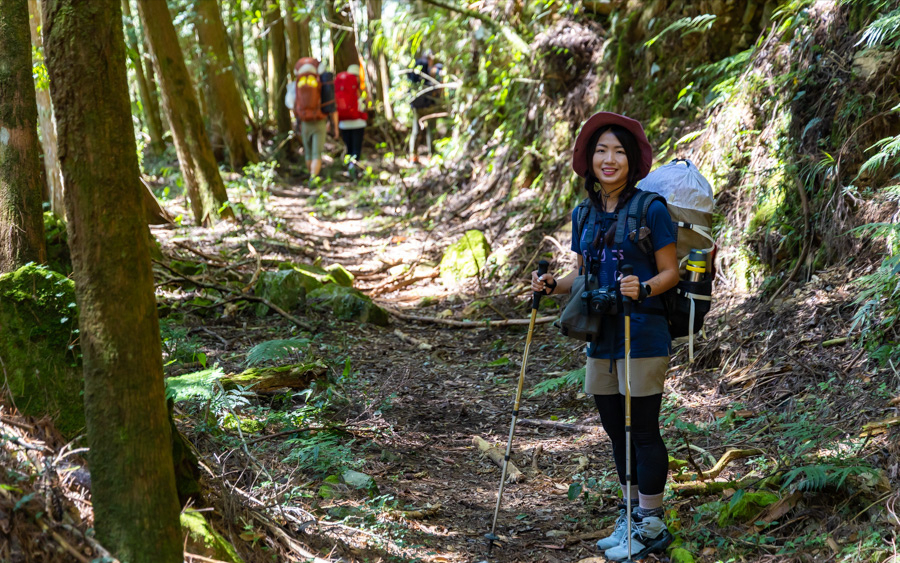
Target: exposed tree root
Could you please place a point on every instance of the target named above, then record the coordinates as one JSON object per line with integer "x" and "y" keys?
{"x": 726, "y": 458}
{"x": 697, "y": 488}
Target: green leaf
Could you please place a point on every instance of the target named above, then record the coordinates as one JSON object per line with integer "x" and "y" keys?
{"x": 574, "y": 491}
{"x": 500, "y": 362}
{"x": 23, "y": 501}
{"x": 201, "y": 357}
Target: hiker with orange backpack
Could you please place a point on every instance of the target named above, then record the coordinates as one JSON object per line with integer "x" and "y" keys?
{"x": 352, "y": 117}
{"x": 312, "y": 100}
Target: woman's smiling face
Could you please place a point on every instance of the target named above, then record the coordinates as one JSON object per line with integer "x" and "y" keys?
{"x": 610, "y": 163}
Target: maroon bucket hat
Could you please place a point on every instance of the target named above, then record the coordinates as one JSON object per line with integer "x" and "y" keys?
{"x": 601, "y": 119}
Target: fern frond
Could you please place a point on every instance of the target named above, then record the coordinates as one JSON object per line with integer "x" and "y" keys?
{"x": 888, "y": 155}
{"x": 820, "y": 476}
{"x": 273, "y": 350}
{"x": 574, "y": 378}
{"x": 885, "y": 31}
{"x": 687, "y": 26}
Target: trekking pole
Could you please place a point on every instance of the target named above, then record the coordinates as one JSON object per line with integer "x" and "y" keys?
{"x": 535, "y": 301}
{"x": 627, "y": 270}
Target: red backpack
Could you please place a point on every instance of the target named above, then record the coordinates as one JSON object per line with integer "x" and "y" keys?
{"x": 308, "y": 101}
{"x": 346, "y": 97}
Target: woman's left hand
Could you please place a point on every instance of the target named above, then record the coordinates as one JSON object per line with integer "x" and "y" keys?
{"x": 630, "y": 286}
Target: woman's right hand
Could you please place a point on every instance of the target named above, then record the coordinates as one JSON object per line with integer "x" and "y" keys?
{"x": 542, "y": 284}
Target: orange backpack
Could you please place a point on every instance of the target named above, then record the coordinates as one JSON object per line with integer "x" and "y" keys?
{"x": 308, "y": 101}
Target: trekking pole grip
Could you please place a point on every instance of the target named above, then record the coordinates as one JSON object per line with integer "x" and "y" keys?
{"x": 543, "y": 266}
{"x": 627, "y": 270}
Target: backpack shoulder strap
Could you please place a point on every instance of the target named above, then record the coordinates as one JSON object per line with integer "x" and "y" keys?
{"x": 634, "y": 215}
{"x": 584, "y": 211}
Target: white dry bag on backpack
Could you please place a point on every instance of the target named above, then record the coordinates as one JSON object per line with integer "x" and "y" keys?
{"x": 689, "y": 198}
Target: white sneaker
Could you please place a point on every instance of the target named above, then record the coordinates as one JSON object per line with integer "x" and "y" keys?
{"x": 618, "y": 534}
{"x": 647, "y": 536}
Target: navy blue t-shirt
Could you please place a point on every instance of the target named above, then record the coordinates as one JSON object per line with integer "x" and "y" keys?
{"x": 649, "y": 333}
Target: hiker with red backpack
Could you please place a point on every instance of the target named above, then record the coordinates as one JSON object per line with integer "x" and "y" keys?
{"x": 629, "y": 355}
{"x": 312, "y": 100}
{"x": 352, "y": 116}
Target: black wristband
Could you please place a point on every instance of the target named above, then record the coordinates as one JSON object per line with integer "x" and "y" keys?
{"x": 552, "y": 287}
{"x": 644, "y": 292}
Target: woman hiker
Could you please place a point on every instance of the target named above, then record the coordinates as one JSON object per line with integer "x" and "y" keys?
{"x": 352, "y": 120}
{"x": 611, "y": 154}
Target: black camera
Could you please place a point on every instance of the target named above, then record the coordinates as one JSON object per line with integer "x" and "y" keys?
{"x": 602, "y": 301}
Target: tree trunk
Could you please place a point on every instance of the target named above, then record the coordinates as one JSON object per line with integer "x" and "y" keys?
{"x": 21, "y": 221}
{"x": 378, "y": 57}
{"x": 292, "y": 27}
{"x": 305, "y": 38}
{"x": 52, "y": 175}
{"x": 151, "y": 110}
{"x": 224, "y": 99}
{"x": 262, "y": 50}
{"x": 277, "y": 69}
{"x": 136, "y": 511}
{"x": 198, "y": 166}
{"x": 343, "y": 40}
{"x": 150, "y": 73}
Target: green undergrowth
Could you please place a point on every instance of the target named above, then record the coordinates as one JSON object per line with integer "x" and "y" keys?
{"x": 41, "y": 360}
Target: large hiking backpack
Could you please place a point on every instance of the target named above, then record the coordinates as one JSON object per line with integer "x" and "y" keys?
{"x": 346, "y": 97}
{"x": 689, "y": 198}
{"x": 308, "y": 97}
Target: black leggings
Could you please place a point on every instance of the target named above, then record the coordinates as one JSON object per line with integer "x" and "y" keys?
{"x": 353, "y": 138}
{"x": 650, "y": 459}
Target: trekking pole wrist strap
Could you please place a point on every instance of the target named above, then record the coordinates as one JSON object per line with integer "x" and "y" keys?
{"x": 550, "y": 287}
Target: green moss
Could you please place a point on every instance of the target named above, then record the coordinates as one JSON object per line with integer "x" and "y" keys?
{"x": 681, "y": 555}
{"x": 203, "y": 540}
{"x": 38, "y": 345}
{"x": 339, "y": 275}
{"x": 349, "y": 304}
{"x": 465, "y": 258}
{"x": 247, "y": 424}
{"x": 745, "y": 506}
{"x": 58, "y": 257}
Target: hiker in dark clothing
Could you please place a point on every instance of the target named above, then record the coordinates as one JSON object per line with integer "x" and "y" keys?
{"x": 423, "y": 77}
{"x": 612, "y": 153}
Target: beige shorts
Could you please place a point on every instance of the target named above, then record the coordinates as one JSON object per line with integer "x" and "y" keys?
{"x": 647, "y": 376}
{"x": 313, "y": 135}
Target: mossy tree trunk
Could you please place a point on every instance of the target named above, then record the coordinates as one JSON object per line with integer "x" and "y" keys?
{"x": 277, "y": 68}
{"x": 151, "y": 109}
{"x": 224, "y": 99}
{"x": 133, "y": 483}
{"x": 343, "y": 40}
{"x": 52, "y": 174}
{"x": 198, "y": 165}
{"x": 21, "y": 221}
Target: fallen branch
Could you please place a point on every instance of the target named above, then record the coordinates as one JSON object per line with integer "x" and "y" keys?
{"x": 487, "y": 323}
{"x": 560, "y": 425}
{"x": 697, "y": 488}
{"x": 726, "y": 458}
{"x": 420, "y": 513}
{"x": 513, "y": 475}
{"x": 420, "y": 344}
{"x": 237, "y": 297}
